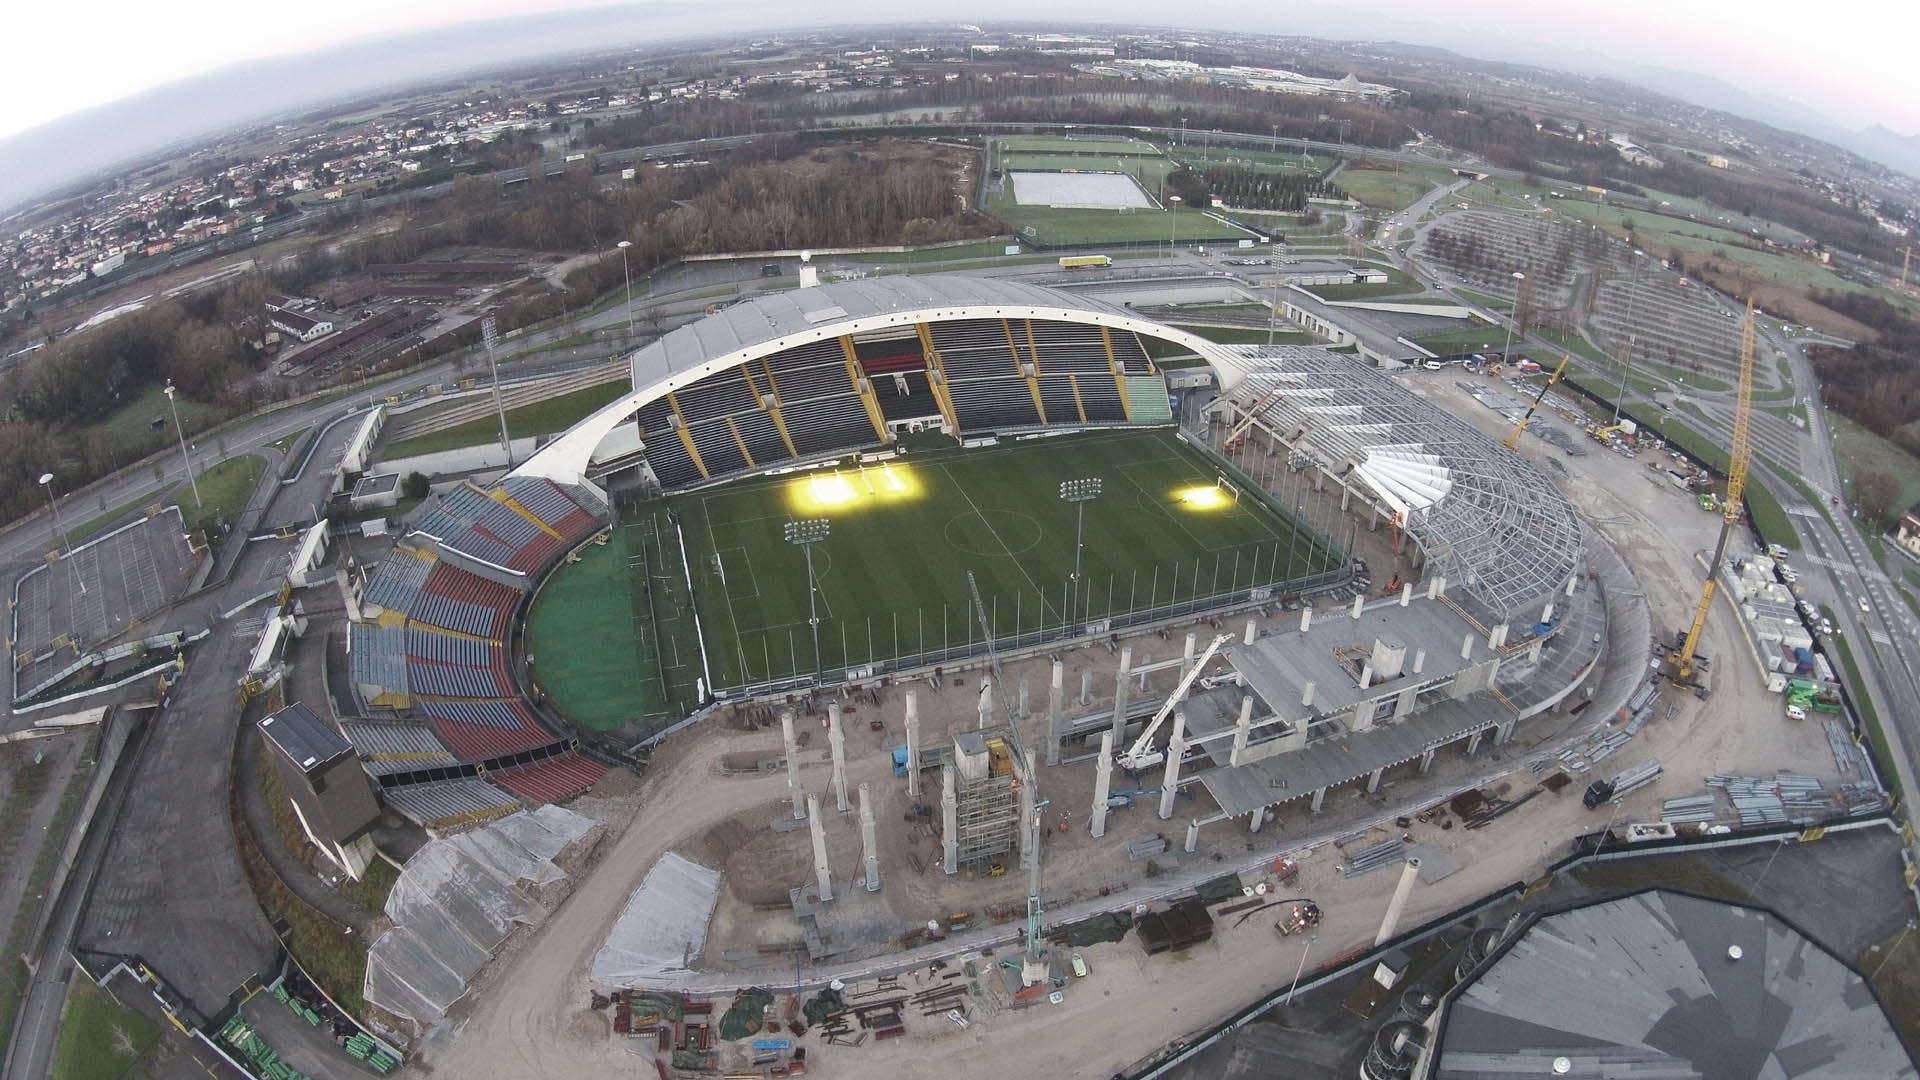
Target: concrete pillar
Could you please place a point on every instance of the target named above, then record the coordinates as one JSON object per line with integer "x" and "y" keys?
{"x": 1505, "y": 731}
{"x": 1466, "y": 647}
{"x": 1533, "y": 651}
{"x": 1306, "y": 695}
{"x": 1193, "y": 836}
{"x": 1419, "y": 660}
{"x": 1319, "y": 797}
{"x": 1366, "y": 675}
{"x": 1102, "y": 783}
{"x": 950, "y": 820}
{"x": 1306, "y": 617}
{"x": 1253, "y": 632}
{"x": 1401, "y": 890}
{"x": 1029, "y": 830}
{"x": 1493, "y": 636}
{"x": 1359, "y": 604}
{"x": 1243, "y": 729}
{"x": 1021, "y": 710}
{"x": 1056, "y": 715}
{"x": 1546, "y": 613}
{"x": 870, "y": 851}
{"x": 837, "y": 739}
{"x": 1176, "y": 749}
{"x": 1120, "y": 688}
{"x": 1473, "y": 742}
{"x": 1191, "y": 649}
{"x": 1406, "y": 594}
{"x": 1436, "y": 586}
{"x": 1086, "y": 688}
{"x": 1570, "y": 584}
{"x": 1426, "y": 762}
{"x": 1373, "y": 779}
{"x": 913, "y": 744}
{"x": 1259, "y": 818}
{"x": 793, "y": 766}
{"x": 986, "y": 699}
{"x": 1346, "y": 497}
{"x": 819, "y": 829}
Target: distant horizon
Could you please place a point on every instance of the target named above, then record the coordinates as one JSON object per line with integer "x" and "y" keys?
{"x": 72, "y": 147}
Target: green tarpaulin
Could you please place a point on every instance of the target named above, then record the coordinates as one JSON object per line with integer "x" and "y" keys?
{"x": 744, "y": 1018}
{"x": 1220, "y": 888}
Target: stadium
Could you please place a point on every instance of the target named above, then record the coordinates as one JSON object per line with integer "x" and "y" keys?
{"x": 855, "y": 483}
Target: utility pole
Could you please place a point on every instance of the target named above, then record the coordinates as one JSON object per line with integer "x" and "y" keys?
{"x": 46, "y": 481}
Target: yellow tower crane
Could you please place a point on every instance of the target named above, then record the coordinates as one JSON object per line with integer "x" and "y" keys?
{"x": 1514, "y": 439}
{"x": 1679, "y": 665}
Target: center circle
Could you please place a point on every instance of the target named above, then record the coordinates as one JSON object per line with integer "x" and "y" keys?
{"x": 993, "y": 532}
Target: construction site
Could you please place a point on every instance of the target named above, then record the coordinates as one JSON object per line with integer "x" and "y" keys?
{"x": 832, "y": 880}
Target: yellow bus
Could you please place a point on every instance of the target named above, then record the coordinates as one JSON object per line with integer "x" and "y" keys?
{"x": 1081, "y": 262}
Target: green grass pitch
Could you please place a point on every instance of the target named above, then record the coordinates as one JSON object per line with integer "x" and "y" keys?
{"x": 613, "y": 636}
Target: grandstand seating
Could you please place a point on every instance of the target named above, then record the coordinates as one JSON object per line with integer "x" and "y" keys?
{"x": 1058, "y": 399}
{"x": 484, "y": 730}
{"x": 1065, "y": 347}
{"x": 447, "y": 803}
{"x": 918, "y": 403}
{"x": 830, "y": 423}
{"x": 718, "y": 450}
{"x": 397, "y": 749}
{"x": 557, "y": 777}
{"x": 992, "y": 403}
{"x": 453, "y": 599}
{"x": 396, "y": 581}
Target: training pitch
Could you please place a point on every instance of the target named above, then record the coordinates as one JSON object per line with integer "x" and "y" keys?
{"x": 614, "y": 635}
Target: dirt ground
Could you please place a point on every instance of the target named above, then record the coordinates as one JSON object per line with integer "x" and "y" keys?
{"x": 533, "y": 1020}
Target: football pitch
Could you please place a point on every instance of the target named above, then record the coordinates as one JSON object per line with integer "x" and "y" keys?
{"x": 615, "y": 635}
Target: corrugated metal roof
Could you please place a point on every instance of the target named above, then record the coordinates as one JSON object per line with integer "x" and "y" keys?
{"x": 304, "y": 738}
{"x": 1645, "y": 987}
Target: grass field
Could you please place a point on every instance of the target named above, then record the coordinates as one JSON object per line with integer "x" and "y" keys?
{"x": 1060, "y": 144}
{"x": 1062, "y": 226}
{"x": 1860, "y": 450}
{"x": 224, "y": 490}
{"x": 1385, "y": 189}
{"x": 537, "y": 418}
{"x": 100, "y": 1039}
{"x": 891, "y": 578}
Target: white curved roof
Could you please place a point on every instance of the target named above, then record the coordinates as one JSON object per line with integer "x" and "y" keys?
{"x": 784, "y": 319}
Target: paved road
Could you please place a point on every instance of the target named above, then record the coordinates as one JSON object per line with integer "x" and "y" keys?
{"x": 30, "y": 1050}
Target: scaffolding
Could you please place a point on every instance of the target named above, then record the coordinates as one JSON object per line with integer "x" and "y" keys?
{"x": 987, "y": 788}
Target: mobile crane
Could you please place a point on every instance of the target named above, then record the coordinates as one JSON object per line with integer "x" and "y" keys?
{"x": 1679, "y": 666}
{"x": 1514, "y": 439}
{"x": 1142, "y": 753}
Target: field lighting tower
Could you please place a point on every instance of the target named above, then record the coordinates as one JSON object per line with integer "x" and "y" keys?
{"x": 46, "y": 481}
{"x": 1173, "y": 223}
{"x": 804, "y": 534}
{"x": 489, "y": 334}
{"x": 627, "y": 273}
{"x": 175, "y": 406}
{"x": 1514, "y": 317}
{"x": 1079, "y": 492}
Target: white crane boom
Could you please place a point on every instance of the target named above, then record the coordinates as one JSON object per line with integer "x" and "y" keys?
{"x": 1142, "y": 754}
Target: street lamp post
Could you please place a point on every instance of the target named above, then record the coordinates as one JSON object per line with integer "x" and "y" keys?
{"x": 1512, "y": 317}
{"x": 1079, "y": 492}
{"x": 1173, "y": 223}
{"x": 46, "y": 481}
{"x": 184, "y": 457}
{"x": 1305, "y": 947}
{"x": 627, "y": 273}
{"x": 804, "y": 534}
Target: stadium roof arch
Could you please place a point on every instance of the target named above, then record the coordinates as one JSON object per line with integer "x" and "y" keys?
{"x": 781, "y": 320}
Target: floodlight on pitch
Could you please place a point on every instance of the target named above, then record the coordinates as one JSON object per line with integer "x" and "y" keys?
{"x": 838, "y": 490}
{"x": 807, "y": 530}
{"x": 1084, "y": 489}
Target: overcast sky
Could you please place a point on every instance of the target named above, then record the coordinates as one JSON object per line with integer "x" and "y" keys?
{"x": 1849, "y": 59}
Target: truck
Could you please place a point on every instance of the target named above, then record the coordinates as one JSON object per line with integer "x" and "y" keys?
{"x": 1637, "y": 777}
{"x": 1298, "y": 916}
{"x": 1084, "y": 262}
